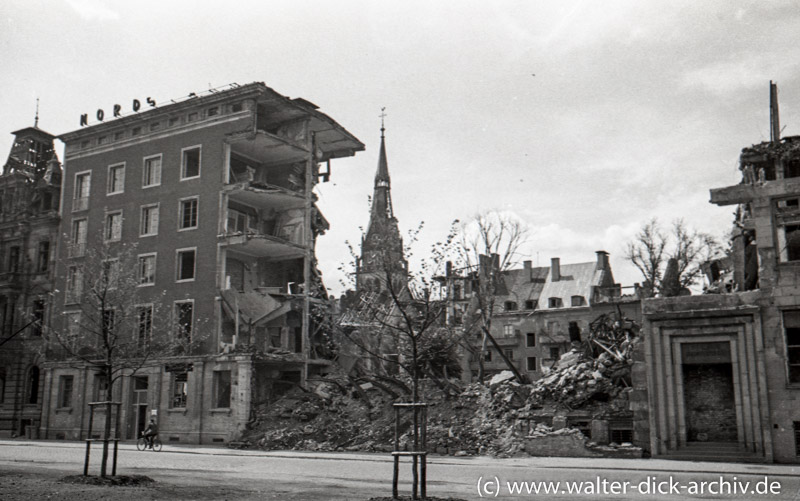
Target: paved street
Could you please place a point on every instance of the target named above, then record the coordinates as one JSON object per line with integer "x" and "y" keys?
{"x": 336, "y": 476}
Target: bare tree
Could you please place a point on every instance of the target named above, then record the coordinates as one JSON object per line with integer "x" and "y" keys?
{"x": 489, "y": 245}
{"x": 652, "y": 248}
{"x": 110, "y": 318}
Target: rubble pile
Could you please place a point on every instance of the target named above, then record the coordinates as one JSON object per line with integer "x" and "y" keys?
{"x": 497, "y": 418}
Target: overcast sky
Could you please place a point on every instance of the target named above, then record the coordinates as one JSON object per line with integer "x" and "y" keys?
{"x": 583, "y": 118}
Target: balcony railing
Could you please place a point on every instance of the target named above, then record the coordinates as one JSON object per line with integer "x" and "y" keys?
{"x": 79, "y": 204}
{"x": 76, "y": 250}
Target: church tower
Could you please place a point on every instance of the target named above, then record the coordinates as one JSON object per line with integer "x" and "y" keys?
{"x": 382, "y": 246}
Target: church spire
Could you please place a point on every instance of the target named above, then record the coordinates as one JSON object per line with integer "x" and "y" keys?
{"x": 382, "y": 198}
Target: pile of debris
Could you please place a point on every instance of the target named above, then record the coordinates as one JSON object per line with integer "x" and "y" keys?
{"x": 338, "y": 413}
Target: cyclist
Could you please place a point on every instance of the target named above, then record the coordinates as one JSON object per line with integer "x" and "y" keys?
{"x": 150, "y": 432}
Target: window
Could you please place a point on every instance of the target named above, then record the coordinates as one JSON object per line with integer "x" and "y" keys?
{"x": 74, "y": 285}
{"x": 151, "y": 173}
{"x": 190, "y": 162}
{"x": 79, "y": 233}
{"x": 144, "y": 315}
{"x": 185, "y": 268}
{"x": 111, "y": 273}
{"x": 187, "y": 214}
{"x": 102, "y": 140}
{"x": 222, "y": 389}
{"x": 236, "y": 107}
{"x": 213, "y": 111}
{"x": 155, "y": 126}
{"x": 2, "y": 384}
{"x": 487, "y": 357}
{"x": 508, "y": 330}
{"x": 530, "y": 339}
{"x": 73, "y": 328}
{"x": 574, "y": 332}
{"x": 191, "y": 117}
{"x": 791, "y": 324}
{"x": 37, "y": 314}
{"x": 509, "y": 353}
{"x": 13, "y": 259}
{"x": 174, "y": 121}
{"x": 43, "y": 257}
{"x": 147, "y": 269}
{"x": 531, "y": 363}
{"x": 180, "y": 387}
{"x": 80, "y": 198}
{"x": 136, "y": 131}
{"x": 100, "y": 388}
{"x": 555, "y": 302}
{"x": 237, "y": 221}
{"x": 554, "y": 353}
{"x": 510, "y": 306}
{"x": 116, "y": 179}
{"x": 33, "y": 385}
{"x": 183, "y": 319}
{"x": 149, "y": 221}
{"x": 119, "y": 135}
{"x": 578, "y": 301}
{"x": 113, "y": 231}
{"x": 109, "y": 320}
{"x": 65, "y": 391}
{"x": 530, "y": 304}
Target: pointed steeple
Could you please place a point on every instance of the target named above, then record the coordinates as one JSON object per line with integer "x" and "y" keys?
{"x": 382, "y": 240}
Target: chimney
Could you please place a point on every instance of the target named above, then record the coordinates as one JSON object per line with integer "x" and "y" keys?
{"x": 528, "y": 271}
{"x": 555, "y": 269}
{"x": 602, "y": 260}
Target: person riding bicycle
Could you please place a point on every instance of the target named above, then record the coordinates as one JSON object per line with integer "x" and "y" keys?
{"x": 150, "y": 432}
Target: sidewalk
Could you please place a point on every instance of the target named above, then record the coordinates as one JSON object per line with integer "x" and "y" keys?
{"x": 594, "y": 464}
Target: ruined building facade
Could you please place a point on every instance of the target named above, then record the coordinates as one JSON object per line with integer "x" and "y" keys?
{"x": 30, "y": 187}
{"x": 723, "y": 369}
{"x": 214, "y": 195}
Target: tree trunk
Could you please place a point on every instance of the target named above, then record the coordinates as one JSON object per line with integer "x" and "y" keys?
{"x": 107, "y": 426}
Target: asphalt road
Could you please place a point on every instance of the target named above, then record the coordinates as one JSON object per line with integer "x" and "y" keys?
{"x": 350, "y": 476}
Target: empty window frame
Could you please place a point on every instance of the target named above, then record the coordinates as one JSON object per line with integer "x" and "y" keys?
{"x": 222, "y": 389}
{"x": 180, "y": 390}
{"x": 184, "y": 316}
{"x": 148, "y": 225}
{"x": 554, "y": 353}
{"x": 187, "y": 213}
{"x": 65, "y": 384}
{"x": 530, "y": 339}
{"x": 530, "y": 304}
{"x": 190, "y": 162}
{"x": 791, "y": 325}
{"x": 113, "y": 227}
{"x": 151, "y": 171}
{"x": 509, "y": 353}
{"x": 531, "y": 363}
{"x": 80, "y": 196}
{"x": 43, "y": 256}
{"x": 147, "y": 269}
{"x": 555, "y": 302}
{"x": 37, "y": 316}
{"x": 144, "y": 317}
{"x": 185, "y": 264}
{"x": 116, "y": 179}
{"x": 78, "y": 236}
{"x": 510, "y": 306}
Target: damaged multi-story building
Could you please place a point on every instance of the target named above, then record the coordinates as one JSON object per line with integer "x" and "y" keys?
{"x": 722, "y": 370}
{"x": 216, "y": 193}
{"x": 30, "y": 187}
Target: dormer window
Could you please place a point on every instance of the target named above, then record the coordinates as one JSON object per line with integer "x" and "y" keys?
{"x": 555, "y": 302}
{"x": 530, "y": 304}
{"x": 510, "y": 306}
{"x": 578, "y": 301}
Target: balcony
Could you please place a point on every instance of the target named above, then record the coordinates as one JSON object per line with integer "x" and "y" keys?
{"x": 11, "y": 279}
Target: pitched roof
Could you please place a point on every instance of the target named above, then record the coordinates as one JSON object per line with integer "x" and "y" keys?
{"x": 576, "y": 280}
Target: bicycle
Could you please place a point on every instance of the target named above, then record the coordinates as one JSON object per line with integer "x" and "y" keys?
{"x": 142, "y": 443}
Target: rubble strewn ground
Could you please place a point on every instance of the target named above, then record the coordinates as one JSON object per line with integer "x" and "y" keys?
{"x": 501, "y": 418}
